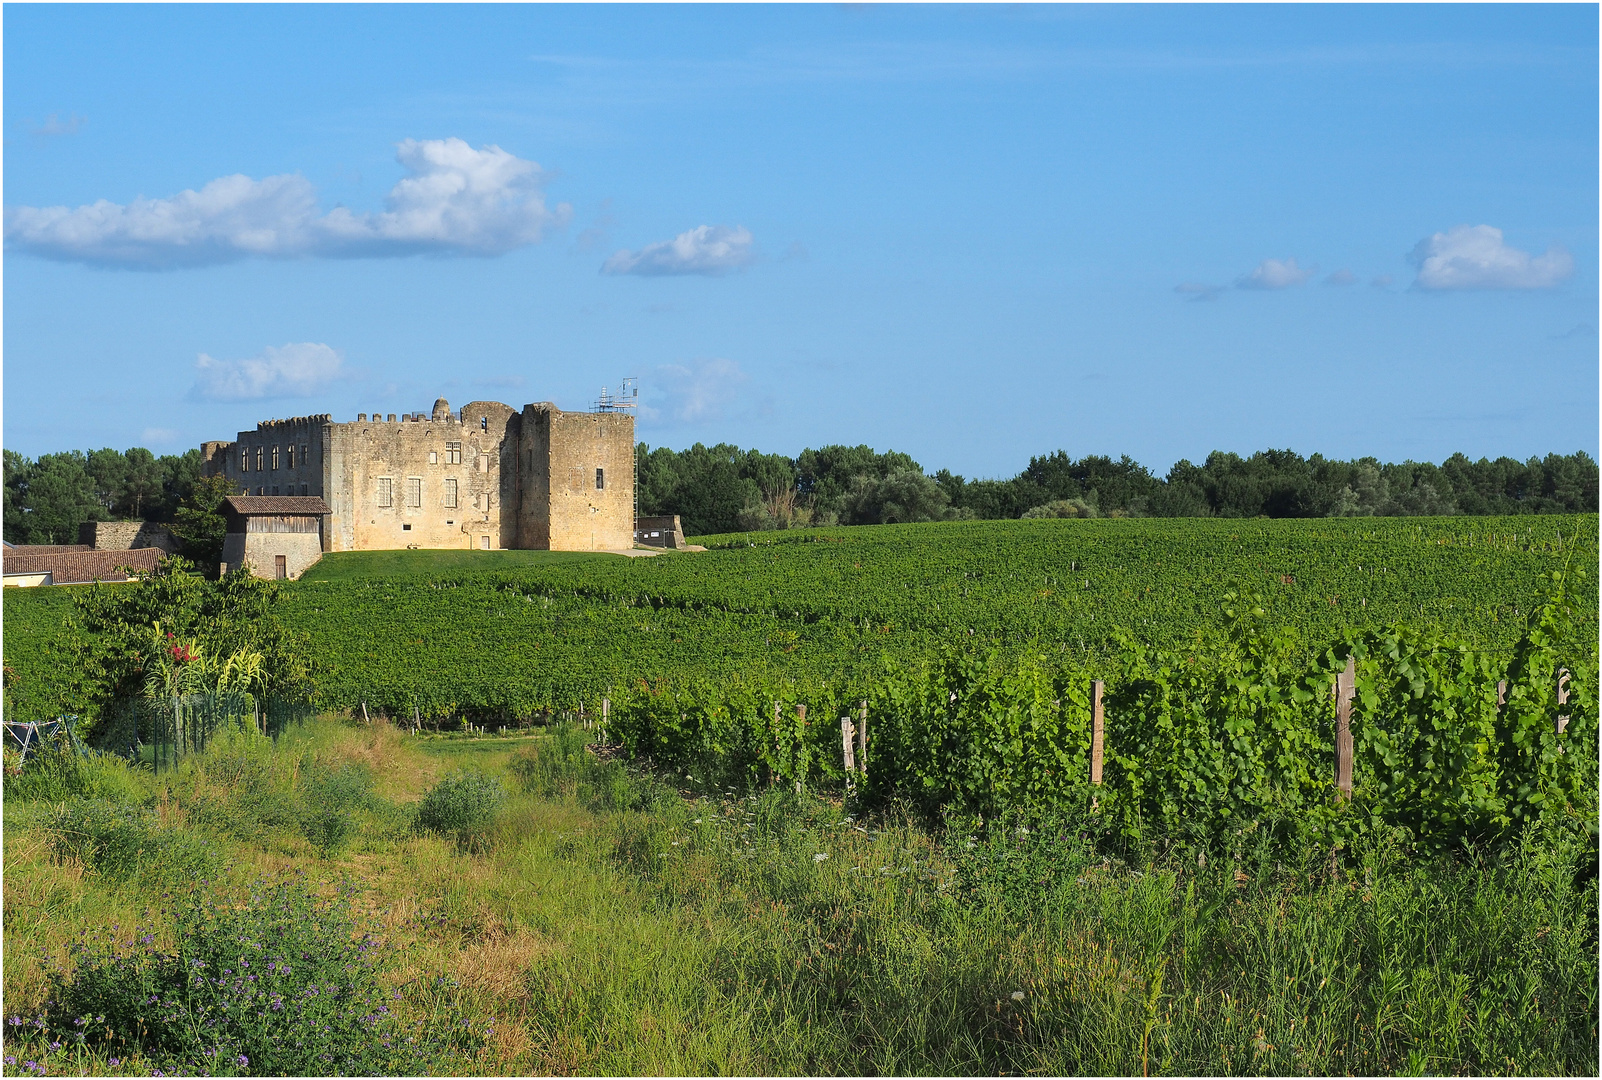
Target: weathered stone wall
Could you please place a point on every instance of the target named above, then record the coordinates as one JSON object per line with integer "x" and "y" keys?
{"x": 300, "y": 551}
{"x": 427, "y": 461}
{"x": 577, "y": 480}
{"x": 126, "y": 535}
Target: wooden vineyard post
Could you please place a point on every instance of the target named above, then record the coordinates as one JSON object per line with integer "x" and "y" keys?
{"x": 1097, "y": 733}
{"x": 862, "y": 738}
{"x": 1345, "y": 691}
{"x": 848, "y": 739}
{"x": 800, "y": 722}
{"x": 606, "y": 714}
{"x": 778, "y": 747}
{"x": 1562, "y": 700}
{"x": 365, "y": 718}
{"x": 1501, "y": 696}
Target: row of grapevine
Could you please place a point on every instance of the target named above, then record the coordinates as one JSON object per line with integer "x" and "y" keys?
{"x": 1451, "y": 742}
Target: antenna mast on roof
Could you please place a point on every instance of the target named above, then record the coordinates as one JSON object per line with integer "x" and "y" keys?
{"x": 628, "y": 397}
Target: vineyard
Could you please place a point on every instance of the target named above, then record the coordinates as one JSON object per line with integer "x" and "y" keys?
{"x": 974, "y": 646}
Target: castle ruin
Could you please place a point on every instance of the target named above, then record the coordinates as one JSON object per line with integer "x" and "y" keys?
{"x": 487, "y": 477}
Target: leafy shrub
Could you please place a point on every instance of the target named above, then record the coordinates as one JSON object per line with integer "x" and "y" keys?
{"x": 328, "y": 795}
{"x": 281, "y": 985}
{"x": 564, "y": 764}
{"x": 556, "y": 761}
{"x": 118, "y": 841}
{"x": 1062, "y": 508}
{"x": 55, "y": 771}
{"x": 241, "y": 794}
{"x": 462, "y": 806}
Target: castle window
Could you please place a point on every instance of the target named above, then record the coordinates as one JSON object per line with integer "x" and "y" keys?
{"x": 244, "y": 459}
{"x": 261, "y": 491}
{"x": 414, "y": 491}
{"x": 433, "y": 457}
{"x": 258, "y": 459}
{"x": 303, "y": 489}
{"x": 275, "y": 489}
{"x": 484, "y": 542}
{"x": 600, "y": 479}
{"x": 304, "y": 456}
{"x": 406, "y": 528}
{"x": 450, "y": 492}
{"x": 483, "y": 423}
{"x": 386, "y": 491}
{"x": 453, "y": 453}
{"x": 291, "y": 462}
{"x": 483, "y": 463}
{"x": 275, "y": 459}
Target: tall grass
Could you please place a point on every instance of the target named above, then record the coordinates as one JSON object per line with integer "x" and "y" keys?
{"x": 604, "y": 922}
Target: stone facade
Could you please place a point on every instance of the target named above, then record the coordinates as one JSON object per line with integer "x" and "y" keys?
{"x": 486, "y": 477}
{"x": 126, "y": 535}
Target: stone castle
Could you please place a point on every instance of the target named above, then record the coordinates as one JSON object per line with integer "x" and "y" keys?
{"x": 487, "y": 477}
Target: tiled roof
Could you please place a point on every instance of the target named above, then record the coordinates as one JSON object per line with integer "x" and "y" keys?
{"x": 277, "y": 504}
{"x": 46, "y": 549}
{"x": 72, "y": 567}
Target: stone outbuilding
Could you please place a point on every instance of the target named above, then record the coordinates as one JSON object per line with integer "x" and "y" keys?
{"x": 279, "y": 536}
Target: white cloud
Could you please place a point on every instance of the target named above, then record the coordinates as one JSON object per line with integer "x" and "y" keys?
{"x": 296, "y": 370}
{"x": 1341, "y": 277}
{"x": 54, "y": 125}
{"x": 455, "y": 200}
{"x": 1274, "y": 274}
{"x": 1474, "y": 257}
{"x": 695, "y": 393}
{"x": 1198, "y": 290}
{"x": 706, "y": 249}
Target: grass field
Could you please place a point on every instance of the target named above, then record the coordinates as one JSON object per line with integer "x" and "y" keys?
{"x": 365, "y": 565}
{"x": 604, "y": 923}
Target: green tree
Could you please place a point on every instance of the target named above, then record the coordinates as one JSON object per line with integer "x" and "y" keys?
{"x": 60, "y": 497}
{"x": 142, "y": 483}
{"x": 198, "y": 522}
{"x": 18, "y": 471}
{"x": 109, "y": 470}
{"x": 904, "y": 496}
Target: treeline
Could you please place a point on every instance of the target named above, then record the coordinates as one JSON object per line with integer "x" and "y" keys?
{"x": 47, "y": 499}
{"x": 726, "y": 489}
{"x": 723, "y": 488}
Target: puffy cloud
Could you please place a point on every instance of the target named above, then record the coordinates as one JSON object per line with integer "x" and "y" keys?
{"x": 295, "y": 370}
{"x": 1341, "y": 277}
{"x": 1474, "y": 257}
{"x": 706, "y": 249}
{"x": 1198, "y": 290}
{"x": 1274, "y": 274}
{"x": 697, "y": 392}
{"x": 54, "y": 125}
{"x": 455, "y": 200}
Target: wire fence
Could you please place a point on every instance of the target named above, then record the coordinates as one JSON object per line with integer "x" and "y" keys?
{"x": 187, "y": 723}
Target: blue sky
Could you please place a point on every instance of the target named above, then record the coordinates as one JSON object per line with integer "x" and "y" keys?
{"x": 973, "y": 234}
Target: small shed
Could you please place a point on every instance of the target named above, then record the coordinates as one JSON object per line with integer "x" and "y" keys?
{"x": 663, "y": 532}
{"x": 279, "y": 536}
